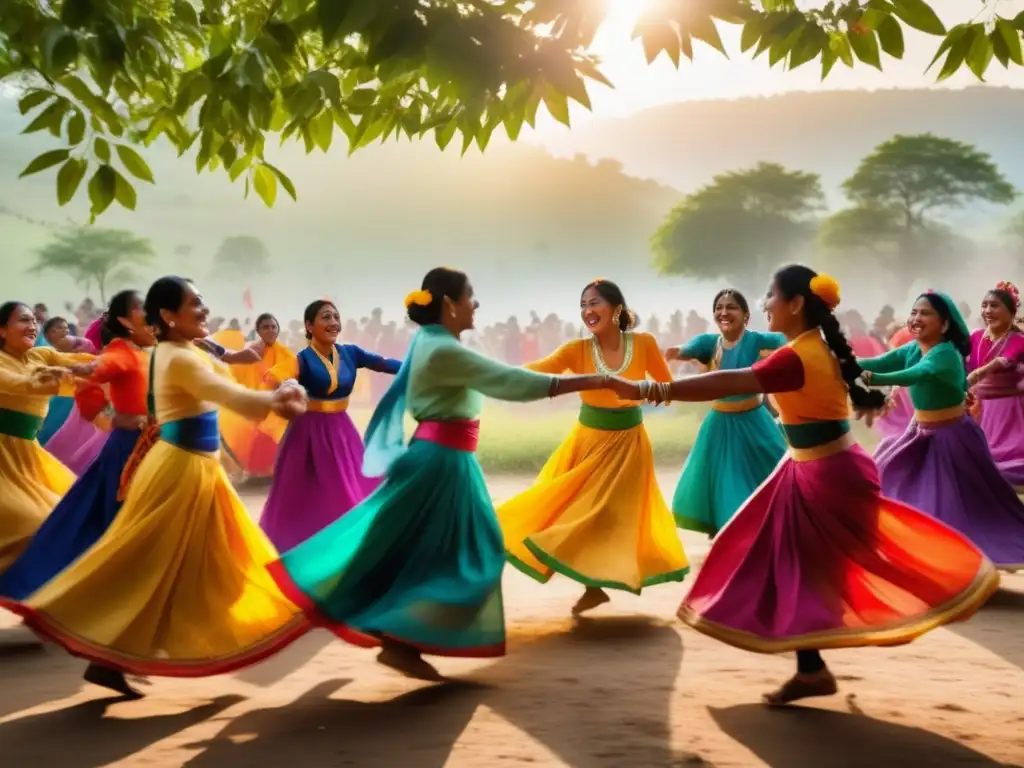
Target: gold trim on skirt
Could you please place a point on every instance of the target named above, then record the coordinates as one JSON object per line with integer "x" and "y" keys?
{"x": 328, "y": 406}
{"x": 823, "y": 451}
{"x": 737, "y": 406}
{"x": 944, "y": 414}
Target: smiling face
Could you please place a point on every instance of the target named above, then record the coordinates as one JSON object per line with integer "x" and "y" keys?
{"x": 995, "y": 313}
{"x": 729, "y": 315}
{"x": 925, "y": 322}
{"x": 189, "y": 320}
{"x": 462, "y": 312}
{"x": 784, "y": 315}
{"x": 596, "y": 312}
{"x": 57, "y": 334}
{"x": 21, "y": 332}
{"x": 268, "y": 331}
{"x": 325, "y": 326}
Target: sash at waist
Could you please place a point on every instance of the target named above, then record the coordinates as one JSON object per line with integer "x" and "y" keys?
{"x": 196, "y": 433}
{"x": 328, "y": 406}
{"x": 610, "y": 419}
{"x": 458, "y": 434}
{"x": 941, "y": 415}
{"x": 737, "y": 406}
{"x": 997, "y": 393}
{"x": 24, "y": 426}
{"x": 823, "y": 451}
{"x": 815, "y": 433}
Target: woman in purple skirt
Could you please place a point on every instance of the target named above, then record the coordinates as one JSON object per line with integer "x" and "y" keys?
{"x": 997, "y": 380}
{"x": 318, "y": 476}
{"x": 942, "y": 464}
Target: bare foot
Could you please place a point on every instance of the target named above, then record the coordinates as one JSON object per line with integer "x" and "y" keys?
{"x": 802, "y": 687}
{"x": 112, "y": 680}
{"x": 407, "y": 661}
{"x": 592, "y": 598}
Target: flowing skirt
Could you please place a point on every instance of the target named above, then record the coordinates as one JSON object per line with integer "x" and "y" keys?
{"x": 1002, "y": 420}
{"x": 731, "y": 457}
{"x": 817, "y": 558}
{"x": 318, "y": 478}
{"x": 57, "y": 413}
{"x": 895, "y": 422}
{"x": 596, "y": 515}
{"x": 31, "y": 484}
{"x": 252, "y": 446}
{"x": 76, "y": 523}
{"x": 948, "y": 472}
{"x": 77, "y": 443}
{"x": 419, "y": 561}
{"x": 177, "y": 586}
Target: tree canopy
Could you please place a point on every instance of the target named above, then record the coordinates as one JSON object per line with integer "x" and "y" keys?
{"x": 222, "y": 78}
{"x": 241, "y": 256}
{"x": 94, "y": 256}
{"x": 732, "y": 227}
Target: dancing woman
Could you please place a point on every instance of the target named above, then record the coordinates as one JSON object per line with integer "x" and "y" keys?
{"x": 416, "y": 567}
{"x": 942, "y": 464}
{"x": 817, "y": 557}
{"x": 997, "y": 380}
{"x": 899, "y": 410}
{"x": 738, "y": 443}
{"x": 88, "y": 508}
{"x": 30, "y": 375}
{"x": 177, "y": 586}
{"x": 55, "y": 334}
{"x": 319, "y": 473}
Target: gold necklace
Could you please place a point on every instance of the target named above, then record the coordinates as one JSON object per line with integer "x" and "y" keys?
{"x": 599, "y": 363}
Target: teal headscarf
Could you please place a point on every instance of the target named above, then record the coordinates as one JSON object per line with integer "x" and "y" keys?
{"x": 955, "y": 316}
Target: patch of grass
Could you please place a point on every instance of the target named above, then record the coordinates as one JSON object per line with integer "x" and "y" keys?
{"x": 519, "y": 439}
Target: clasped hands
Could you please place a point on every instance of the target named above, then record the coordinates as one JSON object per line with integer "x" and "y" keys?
{"x": 289, "y": 400}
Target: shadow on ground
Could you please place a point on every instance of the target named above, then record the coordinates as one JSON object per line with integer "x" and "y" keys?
{"x": 998, "y": 626}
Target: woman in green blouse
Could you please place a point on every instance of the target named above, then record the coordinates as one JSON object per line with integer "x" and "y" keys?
{"x": 942, "y": 464}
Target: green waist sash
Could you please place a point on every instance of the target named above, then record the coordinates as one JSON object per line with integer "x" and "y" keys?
{"x": 18, "y": 424}
{"x": 814, "y": 433}
{"x": 610, "y": 419}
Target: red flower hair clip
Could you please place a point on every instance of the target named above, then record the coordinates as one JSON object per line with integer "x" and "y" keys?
{"x": 1007, "y": 287}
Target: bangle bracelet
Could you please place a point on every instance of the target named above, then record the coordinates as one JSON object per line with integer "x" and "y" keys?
{"x": 555, "y": 384}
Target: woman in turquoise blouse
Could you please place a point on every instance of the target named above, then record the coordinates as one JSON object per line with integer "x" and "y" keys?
{"x": 738, "y": 443}
{"x": 416, "y": 567}
{"x": 942, "y": 464}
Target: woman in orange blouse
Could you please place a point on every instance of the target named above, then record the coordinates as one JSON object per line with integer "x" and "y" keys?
{"x": 88, "y": 508}
{"x": 596, "y": 513}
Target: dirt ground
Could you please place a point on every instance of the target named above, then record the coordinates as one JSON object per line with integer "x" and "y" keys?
{"x": 629, "y": 687}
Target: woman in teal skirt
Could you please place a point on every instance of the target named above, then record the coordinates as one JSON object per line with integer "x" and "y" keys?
{"x": 416, "y": 567}
{"x": 738, "y": 444}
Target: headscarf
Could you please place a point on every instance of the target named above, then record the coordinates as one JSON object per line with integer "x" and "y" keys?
{"x": 955, "y": 315}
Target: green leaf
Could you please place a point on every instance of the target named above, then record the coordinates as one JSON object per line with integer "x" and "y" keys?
{"x": 59, "y": 48}
{"x": 828, "y": 60}
{"x": 890, "y": 36}
{"x": 865, "y": 45}
{"x": 49, "y": 119}
{"x": 979, "y": 55}
{"x": 557, "y": 104}
{"x": 284, "y": 180}
{"x": 1018, "y": 21}
{"x": 952, "y": 38}
{"x": 444, "y": 134}
{"x": 362, "y": 97}
{"x": 76, "y": 128}
{"x": 102, "y": 188}
{"x": 999, "y": 48}
{"x": 703, "y": 27}
{"x": 68, "y": 178}
{"x": 33, "y": 99}
{"x": 264, "y": 181}
{"x": 751, "y": 34}
{"x": 919, "y": 15}
{"x": 1011, "y": 37}
{"x": 840, "y": 46}
{"x": 133, "y": 163}
{"x": 95, "y": 104}
{"x": 102, "y": 149}
{"x": 957, "y": 53}
{"x": 322, "y": 129}
{"x": 124, "y": 192}
{"x": 44, "y": 161}
{"x": 808, "y": 45}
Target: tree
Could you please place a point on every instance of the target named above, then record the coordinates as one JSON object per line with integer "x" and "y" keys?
{"x": 223, "y": 77}
{"x": 91, "y": 255}
{"x": 241, "y": 256}
{"x": 740, "y": 225}
{"x": 1015, "y": 233}
{"x": 898, "y": 191}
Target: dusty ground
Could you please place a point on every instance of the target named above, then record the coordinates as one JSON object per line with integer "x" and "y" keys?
{"x": 628, "y": 688}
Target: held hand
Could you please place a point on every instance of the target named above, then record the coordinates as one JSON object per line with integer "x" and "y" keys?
{"x": 50, "y": 374}
{"x": 866, "y": 377}
{"x": 83, "y": 370}
{"x": 289, "y": 402}
{"x": 624, "y": 388}
{"x": 1002, "y": 364}
{"x": 672, "y": 353}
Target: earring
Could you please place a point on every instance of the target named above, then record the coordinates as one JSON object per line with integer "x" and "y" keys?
{"x": 617, "y": 315}
{"x": 453, "y": 314}
{"x": 171, "y": 324}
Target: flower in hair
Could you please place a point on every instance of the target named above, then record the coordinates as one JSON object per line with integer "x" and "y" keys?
{"x": 826, "y": 288}
{"x": 1007, "y": 287}
{"x": 421, "y": 298}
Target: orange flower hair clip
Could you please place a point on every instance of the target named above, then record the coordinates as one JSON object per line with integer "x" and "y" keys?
{"x": 421, "y": 298}
{"x": 1007, "y": 287}
{"x": 826, "y": 288}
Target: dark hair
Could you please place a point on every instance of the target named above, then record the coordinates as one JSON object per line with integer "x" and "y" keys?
{"x": 736, "y": 295}
{"x": 440, "y": 282}
{"x": 52, "y": 322}
{"x": 309, "y": 316}
{"x": 120, "y": 306}
{"x": 1005, "y": 298}
{"x": 264, "y": 317}
{"x": 7, "y": 309}
{"x": 954, "y": 334}
{"x": 795, "y": 280}
{"x": 166, "y": 293}
{"x": 611, "y": 293}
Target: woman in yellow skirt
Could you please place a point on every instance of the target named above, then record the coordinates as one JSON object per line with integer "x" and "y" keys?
{"x": 32, "y": 480}
{"x": 177, "y": 586}
{"x": 596, "y": 513}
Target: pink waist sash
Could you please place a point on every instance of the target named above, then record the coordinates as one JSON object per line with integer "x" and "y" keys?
{"x": 460, "y": 435}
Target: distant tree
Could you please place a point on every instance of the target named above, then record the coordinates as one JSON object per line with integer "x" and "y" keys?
{"x": 92, "y": 256}
{"x": 1015, "y": 234}
{"x": 241, "y": 256}
{"x": 899, "y": 192}
{"x": 740, "y": 225}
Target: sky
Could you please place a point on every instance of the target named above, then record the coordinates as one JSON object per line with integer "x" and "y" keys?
{"x": 714, "y": 76}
